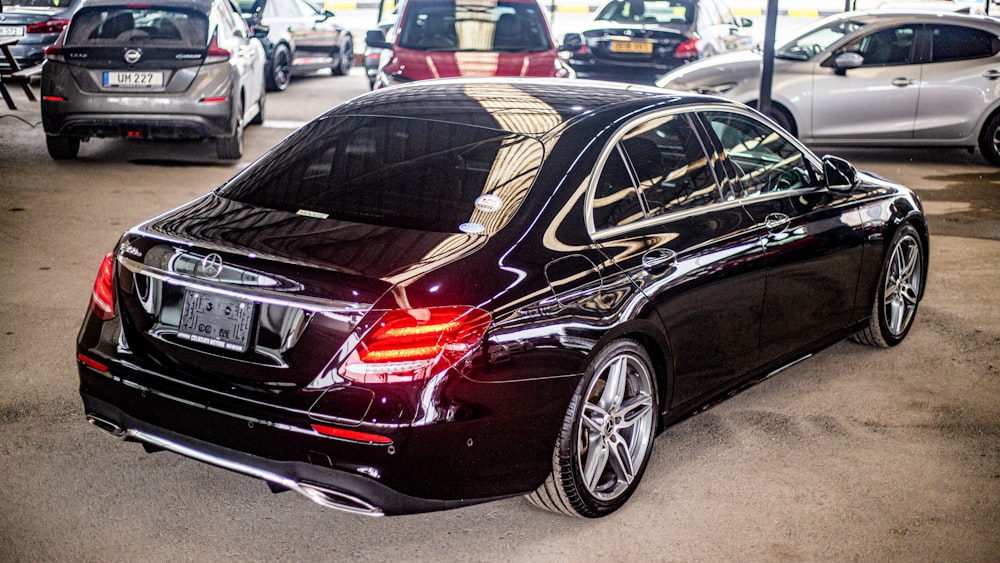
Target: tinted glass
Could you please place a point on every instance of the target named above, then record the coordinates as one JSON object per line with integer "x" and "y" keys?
{"x": 616, "y": 201}
{"x": 670, "y": 165}
{"x": 954, "y": 43}
{"x": 471, "y": 26}
{"x": 410, "y": 173}
{"x": 650, "y": 11}
{"x": 138, "y": 26}
{"x": 761, "y": 159}
{"x": 887, "y": 47}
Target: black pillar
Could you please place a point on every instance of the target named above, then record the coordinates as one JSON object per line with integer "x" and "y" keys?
{"x": 767, "y": 72}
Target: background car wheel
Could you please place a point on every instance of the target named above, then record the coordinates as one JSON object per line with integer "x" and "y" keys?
{"x": 231, "y": 148}
{"x": 782, "y": 117}
{"x": 900, "y": 289}
{"x": 345, "y": 61}
{"x": 606, "y": 437}
{"x": 281, "y": 68}
{"x": 989, "y": 140}
{"x": 62, "y": 147}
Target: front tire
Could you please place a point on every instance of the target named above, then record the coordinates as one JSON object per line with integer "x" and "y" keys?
{"x": 606, "y": 437}
{"x": 62, "y": 147}
{"x": 900, "y": 288}
{"x": 989, "y": 140}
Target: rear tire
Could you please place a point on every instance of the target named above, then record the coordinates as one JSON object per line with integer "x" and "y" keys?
{"x": 989, "y": 140}
{"x": 62, "y": 147}
{"x": 606, "y": 437}
{"x": 900, "y": 288}
{"x": 231, "y": 148}
{"x": 280, "y": 69}
{"x": 345, "y": 61}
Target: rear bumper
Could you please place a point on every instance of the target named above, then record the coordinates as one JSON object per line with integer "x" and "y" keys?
{"x": 145, "y": 126}
{"x": 133, "y": 412}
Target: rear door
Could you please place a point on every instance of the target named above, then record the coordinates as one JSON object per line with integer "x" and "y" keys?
{"x": 660, "y": 215}
{"x": 959, "y": 81}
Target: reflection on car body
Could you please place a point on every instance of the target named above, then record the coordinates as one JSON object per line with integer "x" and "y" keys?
{"x": 874, "y": 78}
{"x": 461, "y": 290}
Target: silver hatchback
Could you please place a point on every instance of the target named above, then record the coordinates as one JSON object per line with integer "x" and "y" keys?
{"x": 171, "y": 70}
{"x": 874, "y": 79}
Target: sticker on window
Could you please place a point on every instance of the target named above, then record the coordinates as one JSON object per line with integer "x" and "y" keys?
{"x": 489, "y": 203}
{"x": 471, "y": 228}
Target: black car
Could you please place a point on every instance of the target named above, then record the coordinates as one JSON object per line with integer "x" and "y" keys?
{"x": 35, "y": 24}
{"x": 460, "y": 290}
{"x": 650, "y": 37}
{"x": 300, "y": 39}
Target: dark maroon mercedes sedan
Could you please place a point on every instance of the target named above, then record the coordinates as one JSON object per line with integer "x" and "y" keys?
{"x": 456, "y": 291}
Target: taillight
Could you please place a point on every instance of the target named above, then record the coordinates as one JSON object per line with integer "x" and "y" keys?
{"x": 216, "y": 54}
{"x": 48, "y": 26}
{"x": 413, "y": 344}
{"x": 54, "y": 53}
{"x": 102, "y": 301}
{"x": 687, "y": 50}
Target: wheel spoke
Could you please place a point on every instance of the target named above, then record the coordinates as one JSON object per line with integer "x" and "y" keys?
{"x": 634, "y": 410}
{"x": 621, "y": 461}
{"x": 597, "y": 460}
{"x": 614, "y": 389}
{"x": 594, "y": 417}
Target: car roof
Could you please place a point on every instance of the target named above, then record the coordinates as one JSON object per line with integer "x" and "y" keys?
{"x": 916, "y": 15}
{"x": 527, "y": 106}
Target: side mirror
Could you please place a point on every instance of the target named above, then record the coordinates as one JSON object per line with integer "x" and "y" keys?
{"x": 571, "y": 42}
{"x": 846, "y": 61}
{"x": 746, "y": 22}
{"x": 840, "y": 175}
{"x": 375, "y": 38}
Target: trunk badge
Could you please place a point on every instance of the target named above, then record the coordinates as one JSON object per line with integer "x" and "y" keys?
{"x": 211, "y": 265}
{"x": 132, "y": 56}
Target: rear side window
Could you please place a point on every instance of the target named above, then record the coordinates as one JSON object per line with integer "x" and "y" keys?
{"x": 955, "y": 43}
{"x": 470, "y": 25}
{"x": 395, "y": 172}
{"x": 109, "y": 26}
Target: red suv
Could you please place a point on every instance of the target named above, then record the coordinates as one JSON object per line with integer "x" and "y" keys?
{"x": 447, "y": 38}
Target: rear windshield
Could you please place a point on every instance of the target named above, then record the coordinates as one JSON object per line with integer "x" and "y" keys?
{"x": 143, "y": 26}
{"x": 464, "y": 25}
{"x": 395, "y": 172}
{"x": 649, "y": 11}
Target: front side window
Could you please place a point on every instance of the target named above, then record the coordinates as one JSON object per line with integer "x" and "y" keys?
{"x": 892, "y": 46}
{"x": 761, "y": 159}
{"x": 956, "y": 43}
{"x": 466, "y": 25}
{"x": 409, "y": 173}
{"x": 114, "y": 25}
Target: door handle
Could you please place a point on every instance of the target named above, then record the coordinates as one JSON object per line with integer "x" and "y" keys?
{"x": 658, "y": 260}
{"x": 903, "y": 82}
{"x": 991, "y": 74}
{"x": 776, "y": 222}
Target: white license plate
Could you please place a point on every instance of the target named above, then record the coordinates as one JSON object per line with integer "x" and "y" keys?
{"x": 132, "y": 79}
{"x": 216, "y": 320}
{"x": 11, "y": 31}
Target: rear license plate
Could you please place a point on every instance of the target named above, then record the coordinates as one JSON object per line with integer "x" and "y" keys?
{"x": 642, "y": 47}
{"x": 216, "y": 320}
{"x": 132, "y": 79}
{"x": 11, "y": 31}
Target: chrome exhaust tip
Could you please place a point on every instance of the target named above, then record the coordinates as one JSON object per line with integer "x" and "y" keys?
{"x": 107, "y": 426}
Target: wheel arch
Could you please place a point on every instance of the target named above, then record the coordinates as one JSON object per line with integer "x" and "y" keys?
{"x": 778, "y": 106}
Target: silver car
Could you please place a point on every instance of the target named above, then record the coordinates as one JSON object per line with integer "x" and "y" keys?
{"x": 176, "y": 69}
{"x": 874, "y": 78}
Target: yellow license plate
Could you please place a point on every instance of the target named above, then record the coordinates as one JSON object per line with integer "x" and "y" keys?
{"x": 642, "y": 47}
